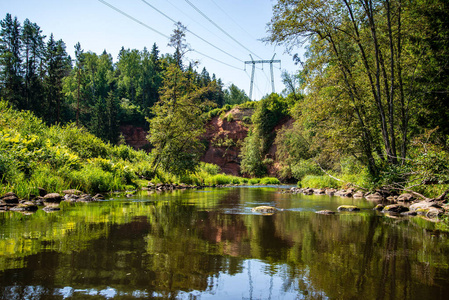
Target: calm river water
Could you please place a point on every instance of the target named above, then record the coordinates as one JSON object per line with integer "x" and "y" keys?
{"x": 208, "y": 244}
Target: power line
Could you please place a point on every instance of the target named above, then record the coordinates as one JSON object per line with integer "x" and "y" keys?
{"x": 243, "y": 29}
{"x": 132, "y": 18}
{"x": 191, "y": 31}
{"x": 216, "y": 60}
{"x": 160, "y": 33}
{"x": 213, "y": 23}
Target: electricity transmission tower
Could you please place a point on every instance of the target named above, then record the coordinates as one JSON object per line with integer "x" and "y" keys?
{"x": 254, "y": 62}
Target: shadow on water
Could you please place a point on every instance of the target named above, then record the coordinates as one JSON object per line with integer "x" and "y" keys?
{"x": 209, "y": 244}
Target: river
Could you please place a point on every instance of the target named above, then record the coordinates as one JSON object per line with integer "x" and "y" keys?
{"x": 208, "y": 244}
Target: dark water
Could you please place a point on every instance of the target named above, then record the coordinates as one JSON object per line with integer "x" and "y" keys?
{"x": 208, "y": 244}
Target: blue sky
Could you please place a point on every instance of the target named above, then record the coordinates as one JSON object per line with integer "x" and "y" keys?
{"x": 98, "y": 27}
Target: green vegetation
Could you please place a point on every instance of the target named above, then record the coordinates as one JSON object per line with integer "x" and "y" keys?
{"x": 364, "y": 102}
{"x": 268, "y": 112}
{"x": 92, "y": 91}
{"x": 55, "y": 158}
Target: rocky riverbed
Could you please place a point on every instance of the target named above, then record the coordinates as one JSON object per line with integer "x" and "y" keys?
{"x": 406, "y": 204}
{"x": 47, "y": 201}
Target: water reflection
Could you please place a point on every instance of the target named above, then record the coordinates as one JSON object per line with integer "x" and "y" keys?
{"x": 208, "y": 244}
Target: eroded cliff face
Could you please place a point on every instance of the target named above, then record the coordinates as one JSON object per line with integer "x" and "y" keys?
{"x": 135, "y": 137}
{"x": 224, "y": 138}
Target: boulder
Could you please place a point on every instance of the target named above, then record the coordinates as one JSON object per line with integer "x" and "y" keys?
{"x": 71, "y": 197}
{"x": 12, "y": 199}
{"x": 264, "y": 209}
{"x": 344, "y": 193}
{"x": 330, "y": 192}
{"x": 319, "y": 191}
{"x": 72, "y": 192}
{"x": 428, "y": 209}
{"x": 326, "y": 212}
{"x": 407, "y": 197}
{"x": 307, "y": 191}
{"x": 379, "y": 207}
{"x": 348, "y": 208}
{"x": 395, "y": 208}
{"x": 358, "y": 194}
{"x": 53, "y": 198}
{"x": 9, "y": 194}
{"x": 374, "y": 197}
{"x": 26, "y": 206}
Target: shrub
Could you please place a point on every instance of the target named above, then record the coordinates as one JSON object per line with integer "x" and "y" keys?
{"x": 247, "y": 120}
{"x": 93, "y": 178}
{"x": 269, "y": 180}
{"x": 254, "y": 181}
{"x": 210, "y": 169}
{"x": 323, "y": 181}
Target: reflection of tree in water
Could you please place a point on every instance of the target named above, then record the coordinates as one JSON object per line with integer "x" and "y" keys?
{"x": 169, "y": 247}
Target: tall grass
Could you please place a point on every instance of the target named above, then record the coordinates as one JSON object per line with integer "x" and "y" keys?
{"x": 55, "y": 158}
{"x": 317, "y": 181}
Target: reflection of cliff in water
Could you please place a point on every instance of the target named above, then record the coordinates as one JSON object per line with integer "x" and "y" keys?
{"x": 192, "y": 241}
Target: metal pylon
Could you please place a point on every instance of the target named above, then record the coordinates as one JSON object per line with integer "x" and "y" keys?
{"x": 254, "y": 62}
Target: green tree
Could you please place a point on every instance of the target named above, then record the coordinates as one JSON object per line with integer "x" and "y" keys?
{"x": 359, "y": 47}
{"x": 269, "y": 112}
{"x": 34, "y": 47}
{"x": 10, "y": 59}
{"x": 234, "y": 95}
{"x": 58, "y": 66}
{"x": 178, "y": 120}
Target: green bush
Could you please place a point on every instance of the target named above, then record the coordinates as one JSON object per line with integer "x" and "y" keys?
{"x": 269, "y": 180}
{"x": 254, "y": 181}
{"x": 246, "y": 120}
{"x": 323, "y": 181}
{"x": 210, "y": 169}
{"x": 93, "y": 178}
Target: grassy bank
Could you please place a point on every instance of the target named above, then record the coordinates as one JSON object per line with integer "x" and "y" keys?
{"x": 56, "y": 158}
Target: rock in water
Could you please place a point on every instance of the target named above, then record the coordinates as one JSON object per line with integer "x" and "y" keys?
{"x": 264, "y": 209}
{"x": 348, "y": 208}
{"x": 326, "y": 212}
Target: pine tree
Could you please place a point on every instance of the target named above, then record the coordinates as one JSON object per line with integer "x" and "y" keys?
{"x": 10, "y": 60}
{"x": 58, "y": 65}
{"x": 33, "y": 45}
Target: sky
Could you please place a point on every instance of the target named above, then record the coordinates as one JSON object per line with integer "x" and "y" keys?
{"x": 233, "y": 30}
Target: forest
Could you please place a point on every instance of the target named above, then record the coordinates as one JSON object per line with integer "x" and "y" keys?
{"x": 368, "y": 104}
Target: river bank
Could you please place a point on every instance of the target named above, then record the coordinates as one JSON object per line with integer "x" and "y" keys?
{"x": 390, "y": 202}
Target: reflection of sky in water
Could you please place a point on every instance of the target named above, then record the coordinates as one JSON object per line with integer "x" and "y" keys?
{"x": 257, "y": 280}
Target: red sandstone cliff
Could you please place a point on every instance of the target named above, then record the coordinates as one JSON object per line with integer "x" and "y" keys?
{"x": 225, "y": 139}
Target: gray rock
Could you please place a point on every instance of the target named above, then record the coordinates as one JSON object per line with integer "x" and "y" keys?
{"x": 326, "y": 212}
{"x": 407, "y": 197}
{"x": 12, "y": 199}
{"x": 53, "y": 198}
{"x": 395, "y": 208}
{"x": 348, "y": 208}
{"x": 264, "y": 209}
{"x": 374, "y": 197}
{"x": 379, "y": 207}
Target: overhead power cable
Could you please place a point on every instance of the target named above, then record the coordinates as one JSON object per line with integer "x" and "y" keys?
{"x": 217, "y": 60}
{"x": 132, "y": 18}
{"x": 215, "y": 24}
{"x": 194, "y": 34}
{"x": 160, "y": 33}
{"x": 230, "y": 18}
